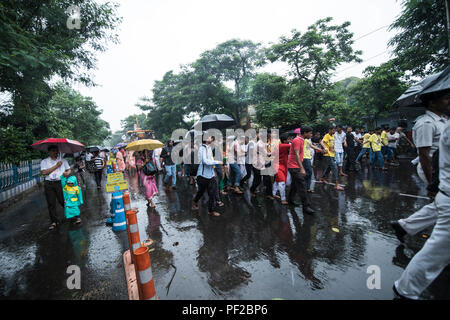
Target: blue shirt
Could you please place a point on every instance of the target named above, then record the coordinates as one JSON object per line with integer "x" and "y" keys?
{"x": 206, "y": 161}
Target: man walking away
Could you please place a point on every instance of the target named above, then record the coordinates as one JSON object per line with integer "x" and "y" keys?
{"x": 99, "y": 164}
{"x": 52, "y": 168}
{"x": 298, "y": 173}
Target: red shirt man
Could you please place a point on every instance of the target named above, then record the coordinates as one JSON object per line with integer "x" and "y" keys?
{"x": 297, "y": 144}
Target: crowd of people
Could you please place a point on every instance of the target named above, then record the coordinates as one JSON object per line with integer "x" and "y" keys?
{"x": 282, "y": 163}
{"x": 271, "y": 162}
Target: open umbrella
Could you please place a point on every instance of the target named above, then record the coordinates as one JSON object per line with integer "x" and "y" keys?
{"x": 105, "y": 149}
{"x": 64, "y": 145}
{"x": 193, "y": 134}
{"x": 435, "y": 83}
{"x": 145, "y": 144}
{"x": 215, "y": 121}
{"x": 93, "y": 149}
{"x": 121, "y": 145}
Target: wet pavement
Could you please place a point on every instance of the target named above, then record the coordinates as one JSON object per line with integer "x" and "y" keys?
{"x": 257, "y": 249}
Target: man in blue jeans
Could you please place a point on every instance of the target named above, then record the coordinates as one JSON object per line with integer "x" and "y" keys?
{"x": 169, "y": 165}
{"x": 235, "y": 171}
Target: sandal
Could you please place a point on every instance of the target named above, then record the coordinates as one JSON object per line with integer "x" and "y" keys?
{"x": 338, "y": 188}
{"x": 52, "y": 226}
{"x": 78, "y": 221}
{"x": 310, "y": 191}
{"x": 284, "y": 203}
{"x": 220, "y": 204}
{"x": 214, "y": 214}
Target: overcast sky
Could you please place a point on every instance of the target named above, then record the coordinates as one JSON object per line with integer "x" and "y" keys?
{"x": 157, "y": 36}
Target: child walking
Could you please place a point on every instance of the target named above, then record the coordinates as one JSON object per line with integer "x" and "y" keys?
{"x": 73, "y": 198}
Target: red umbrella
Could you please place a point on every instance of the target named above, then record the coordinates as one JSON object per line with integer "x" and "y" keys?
{"x": 64, "y": 145}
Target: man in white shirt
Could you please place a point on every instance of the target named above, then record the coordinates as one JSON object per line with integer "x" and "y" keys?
{"x": 339, "y": 144}
{"x": 426, "y": 136}
{"x": 88, "y": 156}
{"x": 429, "y": 262}
{"x": 52, "y": 168}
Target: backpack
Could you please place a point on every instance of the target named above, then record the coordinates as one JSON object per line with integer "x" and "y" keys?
{"x": 149, "y": 169}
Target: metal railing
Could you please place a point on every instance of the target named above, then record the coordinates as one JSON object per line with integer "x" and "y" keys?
{"x": 14, "y": 175}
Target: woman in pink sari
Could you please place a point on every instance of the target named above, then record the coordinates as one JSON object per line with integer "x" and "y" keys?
{"x": 149, "y": 183}
{"x": 131, "y": 162}
{"x": 120, "y": 162}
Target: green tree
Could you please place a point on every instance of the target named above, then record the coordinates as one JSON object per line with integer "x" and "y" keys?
{"x": 374, "y": 95}
{"x": 421, "y": 46}
{"x": 234, "y": 60}
{"x": 312, "y": 57}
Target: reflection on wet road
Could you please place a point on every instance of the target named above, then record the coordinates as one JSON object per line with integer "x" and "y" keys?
{"x": 257, "y": 249}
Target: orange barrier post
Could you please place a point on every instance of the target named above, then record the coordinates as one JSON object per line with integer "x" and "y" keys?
{"x": 146, "y": 283}
{"x": 133, "y": 231}
{"x": 126, "y": 201}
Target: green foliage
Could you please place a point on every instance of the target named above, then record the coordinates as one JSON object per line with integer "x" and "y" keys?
{"x": 421, "y": 46}
{"x": 36, "y": 45}
{"x": 312, "y": 56}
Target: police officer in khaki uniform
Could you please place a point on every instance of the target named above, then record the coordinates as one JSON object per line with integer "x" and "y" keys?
{"x": 426, "y": 135}
{"x": 429, "y": 262}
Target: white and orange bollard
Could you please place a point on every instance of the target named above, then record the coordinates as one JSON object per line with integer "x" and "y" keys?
{"x": 133, "y": 232}
{"x": 146, "y": 284}
{"x": 126, "y": 201}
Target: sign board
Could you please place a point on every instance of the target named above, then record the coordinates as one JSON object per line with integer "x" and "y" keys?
{"x": 116, "y": 186}
{"x": 116, "y": 182}
{"x": 115, "y": 177}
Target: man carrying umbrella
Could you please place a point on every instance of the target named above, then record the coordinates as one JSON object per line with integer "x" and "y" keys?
{"x": 53, "y": 168}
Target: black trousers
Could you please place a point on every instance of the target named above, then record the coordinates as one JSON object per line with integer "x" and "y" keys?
{"x": 98, "y": 174}
{"x": 218, "y": 178}
{"x": 350, "y": 159}
{"x": 248, "y": 168}
{"x": 208, "y": 185}
{"x": 298, "y": 185}
{"x": 267, "y": 181}
{"x": 53, "y": 192}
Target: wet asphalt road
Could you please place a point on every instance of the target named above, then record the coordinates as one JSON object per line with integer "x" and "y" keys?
{"x": 257, "y": 249}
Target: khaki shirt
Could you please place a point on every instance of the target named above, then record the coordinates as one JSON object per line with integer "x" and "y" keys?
{"x": 427, "y": 131}
{"x": 444, "y": 160}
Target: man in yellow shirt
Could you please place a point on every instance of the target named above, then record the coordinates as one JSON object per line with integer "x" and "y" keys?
{"x": 365, "y": 147}
{"x": 328, "y": 145}
{"x": 384, "y": 141}
{"x": 377, "y": 156}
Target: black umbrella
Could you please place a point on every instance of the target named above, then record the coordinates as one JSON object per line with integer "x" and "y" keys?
{"x": 105, "y": 149}
{"x": 215, "y": 121}
{"x": 193, "y": 134}
{"x": 93, "y": 149}
{"x": 435, "y": 83}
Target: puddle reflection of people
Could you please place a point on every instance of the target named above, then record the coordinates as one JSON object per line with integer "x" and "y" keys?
{"x": 80, "y": 244}
{"x": 301, "y": 247}
{"x": 213, "y": 256}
